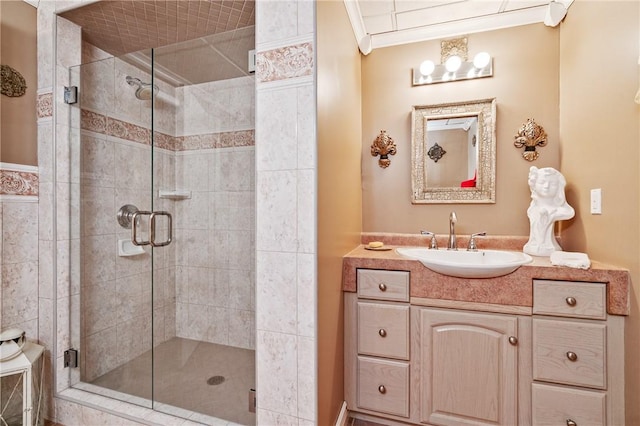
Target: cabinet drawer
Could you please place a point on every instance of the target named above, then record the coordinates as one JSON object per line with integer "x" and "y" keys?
{"x": 570, "y": 352}
{"x": 383, "y": 285}
{"x": 569, "y": 299}
{"x": 555, "y": 405}
{"x": 383, "y": 386}
{"x": 383, "y": 330}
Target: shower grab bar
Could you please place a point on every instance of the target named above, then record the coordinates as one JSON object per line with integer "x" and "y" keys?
{"x": 152, "y": 232}
{"x": 134, "y": 227}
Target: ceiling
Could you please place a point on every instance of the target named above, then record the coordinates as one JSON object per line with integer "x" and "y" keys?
{"x": 383, "y": 23}
{"x": 209, "y": 40}
{"x": 194, "y": 41}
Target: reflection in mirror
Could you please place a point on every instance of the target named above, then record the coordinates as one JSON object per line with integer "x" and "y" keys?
{"x": 453, "y": 153}
{"x": 456, "y": 137}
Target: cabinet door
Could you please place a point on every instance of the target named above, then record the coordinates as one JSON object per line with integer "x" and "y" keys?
{"x": 468, "y": 368}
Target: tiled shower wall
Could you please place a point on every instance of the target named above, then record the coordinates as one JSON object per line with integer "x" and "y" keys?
{"x": 216, "y": 226}
{"x": 285, "y": 209}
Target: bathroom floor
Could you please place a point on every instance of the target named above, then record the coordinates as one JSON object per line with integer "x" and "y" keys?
{"x": 198, "y": 376}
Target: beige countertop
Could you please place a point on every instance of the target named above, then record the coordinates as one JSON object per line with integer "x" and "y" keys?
{"x": 515, "y": 289}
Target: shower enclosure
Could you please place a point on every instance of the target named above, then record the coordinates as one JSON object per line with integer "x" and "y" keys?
{"x": 166, "y": 226}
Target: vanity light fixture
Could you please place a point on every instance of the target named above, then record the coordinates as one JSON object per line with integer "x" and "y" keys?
{"x": 454, "y": 65}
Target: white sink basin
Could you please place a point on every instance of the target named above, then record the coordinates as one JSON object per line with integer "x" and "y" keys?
{"x": 468, "y": 264}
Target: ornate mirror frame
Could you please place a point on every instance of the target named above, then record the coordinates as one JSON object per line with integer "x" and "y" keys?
{"x": 485, "y": 189}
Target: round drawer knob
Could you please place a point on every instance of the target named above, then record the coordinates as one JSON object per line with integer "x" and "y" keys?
{"x": 571, "y": 423}
{"x": 382, "y": 389}
{"x": 571, "y": 301}
{"x": 382, "y": 287}
{"x": 382, "y": 332}
{"x": 572, "y": 356}
{"x": 513, "y": 340}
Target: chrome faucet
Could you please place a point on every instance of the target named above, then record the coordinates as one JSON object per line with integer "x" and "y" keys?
{"x": 452, "y": 244}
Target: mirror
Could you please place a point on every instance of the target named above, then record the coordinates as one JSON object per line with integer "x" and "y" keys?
{"x": 453, "y": 152}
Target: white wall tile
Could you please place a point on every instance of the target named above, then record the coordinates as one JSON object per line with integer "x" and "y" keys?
{"x": 307, "y": 293}
{"x": 276, "y": 292}
{"x": 306, "y": 211}
{"x": 307, "y": 127}
{"x": 276, "y": 20}
{"x": 19, "y": 232}
{"x": 276, "y": 121}
{"x": 276, "y": 211}
{"x": 306, "y": 378}
{"x": 277, "y": 381}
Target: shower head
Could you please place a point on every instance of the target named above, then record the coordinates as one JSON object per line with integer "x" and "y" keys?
{"x": 144, "y": 91}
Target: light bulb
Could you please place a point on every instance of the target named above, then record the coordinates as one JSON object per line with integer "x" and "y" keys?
{"x": 446, "y": 76}
{"x": 427, "y": 67}
{"x": 452, "y": 64}
{"x": 471, "y": 73}
{"x": 481, "y": 60}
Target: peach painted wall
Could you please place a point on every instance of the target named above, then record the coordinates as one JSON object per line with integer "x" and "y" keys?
{"x": 18, "y": 134}
{"x": 600, "y": 140}
{"x": 525, "y": 85}
{"x": 339, "y": 194}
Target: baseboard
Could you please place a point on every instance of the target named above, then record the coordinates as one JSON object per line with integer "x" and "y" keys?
{"x": 343, "y": 417}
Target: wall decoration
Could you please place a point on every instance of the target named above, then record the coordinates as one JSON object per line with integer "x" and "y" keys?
{"x": 529, "y": 136}
{"x": 13, "y": 83}
{"x": 383, "y": 146}
{"x": 436, "y": 152}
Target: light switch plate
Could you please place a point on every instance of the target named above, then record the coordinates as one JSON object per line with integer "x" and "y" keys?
{"x": 596, "y": 201}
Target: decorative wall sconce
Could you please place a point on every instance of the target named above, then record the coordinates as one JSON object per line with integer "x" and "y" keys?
{"x": 383, "y": 146}
{"x": 13, "y": 83}
{"x": 529, "y": 136}
{"x": 454, "y": 65}
{"x": 436, "y": 152}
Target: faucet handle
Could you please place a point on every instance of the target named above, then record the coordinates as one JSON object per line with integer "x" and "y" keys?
{"x": 472, "y": 241}
{"x": 433, "y": 244}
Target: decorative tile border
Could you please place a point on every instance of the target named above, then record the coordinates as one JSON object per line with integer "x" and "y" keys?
{"x": 44, "y": 105}
{"x": 18, "y": 180}
{"x": 285, "y": 62}
{"x": 99, "y": 123}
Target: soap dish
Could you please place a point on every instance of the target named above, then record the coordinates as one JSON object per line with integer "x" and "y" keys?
{"x": 127, "y": 248}
{"x": 383, "y": 248}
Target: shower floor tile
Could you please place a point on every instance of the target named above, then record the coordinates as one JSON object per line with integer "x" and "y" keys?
{"x": 183, "y": 368}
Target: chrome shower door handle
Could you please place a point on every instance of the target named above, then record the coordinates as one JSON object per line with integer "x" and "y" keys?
{"x": 134, "y": 227}
{"x": 152, "y": 232}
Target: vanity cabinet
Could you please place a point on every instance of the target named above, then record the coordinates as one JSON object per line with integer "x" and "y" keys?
{"x": 467, "y": 367}
{"x": 378, "y": 341}
{"x": 427, "y": 361}
{"x": 578, "y": 361}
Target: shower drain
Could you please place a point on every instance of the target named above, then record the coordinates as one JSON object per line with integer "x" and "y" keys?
{"x": 215, "y": 380}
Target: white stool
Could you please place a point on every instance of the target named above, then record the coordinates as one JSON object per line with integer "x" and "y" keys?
{"x": 23, "y": 364}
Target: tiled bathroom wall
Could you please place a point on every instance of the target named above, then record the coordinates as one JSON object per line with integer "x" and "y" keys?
{"x": 19, "y": 248}
{"x": 286, "y": 213}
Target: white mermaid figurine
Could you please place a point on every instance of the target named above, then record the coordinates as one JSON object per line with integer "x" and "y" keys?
{"x": 548, "y": 205}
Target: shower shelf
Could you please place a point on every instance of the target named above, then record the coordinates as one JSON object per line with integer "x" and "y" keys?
{"x": 174, "y": 194}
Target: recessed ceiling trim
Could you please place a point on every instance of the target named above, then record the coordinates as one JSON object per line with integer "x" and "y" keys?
{"x": 456, "y": 28}
{"x": 357, "y": 23}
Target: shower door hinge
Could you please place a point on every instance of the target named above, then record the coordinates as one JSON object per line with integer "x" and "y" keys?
{"x": 252, "y": 400}
{"x": 71, "y": 358}
{"x": 70, "y": 94}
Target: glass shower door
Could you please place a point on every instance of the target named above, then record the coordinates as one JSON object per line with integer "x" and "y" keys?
{"x": 115, "y": 156}
{"x": 166, "y": 229}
